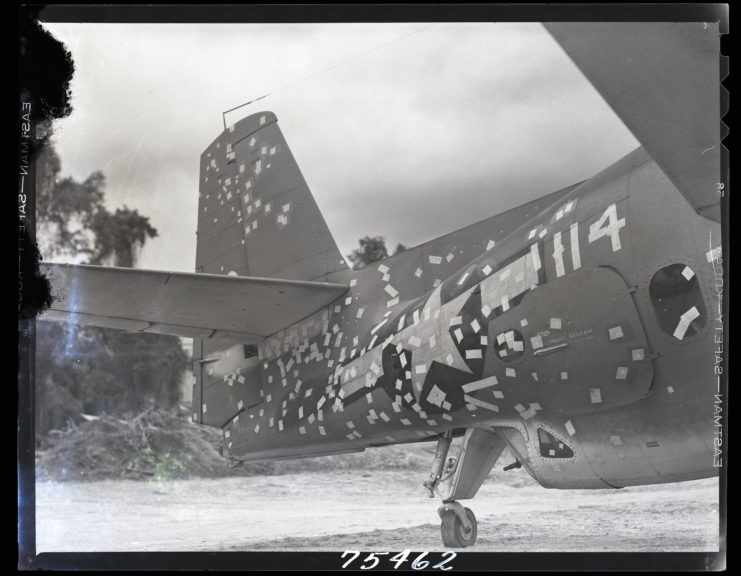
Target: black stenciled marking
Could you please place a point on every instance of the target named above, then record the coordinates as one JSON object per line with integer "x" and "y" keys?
{"x": 450, "y": 289}
{"x": 393, "y": 371}
{"x": 449, "y": 380}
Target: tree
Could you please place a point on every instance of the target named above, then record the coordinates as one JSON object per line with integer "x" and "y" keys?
{"x": 64, "y": 208}
{"x": 372, "y": 249}
{"x": 399, "y": 248}
{"x": 72, "y": 219}
{"x": 119, "y": 236}
{"x": 85, "y": 368}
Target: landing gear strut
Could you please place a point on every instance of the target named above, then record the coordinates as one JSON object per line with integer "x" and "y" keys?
{"x": 441, "y": 452}
{"x": 461, "y": 479}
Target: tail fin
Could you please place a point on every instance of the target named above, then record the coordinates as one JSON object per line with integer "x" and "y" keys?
{"x": 256, "y": 215}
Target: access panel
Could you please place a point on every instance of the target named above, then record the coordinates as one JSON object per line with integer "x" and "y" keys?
{"x": 576, "y": 344}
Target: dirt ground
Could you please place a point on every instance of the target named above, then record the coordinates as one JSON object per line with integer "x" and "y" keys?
{"x": 367, "y": 510}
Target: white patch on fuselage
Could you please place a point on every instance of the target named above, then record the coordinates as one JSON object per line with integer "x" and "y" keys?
{"x": 499, "y": 289}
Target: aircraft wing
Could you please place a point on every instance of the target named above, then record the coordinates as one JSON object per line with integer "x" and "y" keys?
{"x": 192, "y": 305}
{"x": 662, "y": 80}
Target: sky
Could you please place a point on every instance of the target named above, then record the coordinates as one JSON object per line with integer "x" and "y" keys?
{"x": 428, "y": 128}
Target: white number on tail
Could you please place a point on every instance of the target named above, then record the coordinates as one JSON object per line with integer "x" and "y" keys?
{"x": 608, "y": 225}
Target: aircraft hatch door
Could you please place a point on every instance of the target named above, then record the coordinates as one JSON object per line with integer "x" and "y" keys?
{"x": 228, "y": 381}
{"x": 577, "y": 355}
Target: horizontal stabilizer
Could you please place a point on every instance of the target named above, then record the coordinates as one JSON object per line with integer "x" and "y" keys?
{"x": 662, "y": 79}
{"x": 191, "y": 305}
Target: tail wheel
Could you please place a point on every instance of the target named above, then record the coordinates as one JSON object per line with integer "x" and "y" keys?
{"x": 453, "y": 532}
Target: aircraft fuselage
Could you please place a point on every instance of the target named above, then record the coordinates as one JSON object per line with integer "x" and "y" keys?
{"x": 586, "y": 338}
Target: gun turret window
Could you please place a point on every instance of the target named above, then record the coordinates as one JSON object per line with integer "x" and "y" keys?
{"x": 552, "y": 447}
{"x": 677, "y": 300}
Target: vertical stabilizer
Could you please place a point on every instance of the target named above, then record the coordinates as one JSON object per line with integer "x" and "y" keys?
{"x": 256, "y": 215}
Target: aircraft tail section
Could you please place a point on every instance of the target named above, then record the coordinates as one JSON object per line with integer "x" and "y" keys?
{"x": 256, "y": 214}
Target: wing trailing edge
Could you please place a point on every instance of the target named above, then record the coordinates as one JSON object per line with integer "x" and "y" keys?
{"x": 662, "y": 79}
{"x": 244, "y": 309}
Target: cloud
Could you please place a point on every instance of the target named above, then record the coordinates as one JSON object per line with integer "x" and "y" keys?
{"x": 414, "y": 139}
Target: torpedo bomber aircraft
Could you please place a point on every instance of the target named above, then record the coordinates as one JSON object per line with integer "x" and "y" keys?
{"x": 577, "y": 330}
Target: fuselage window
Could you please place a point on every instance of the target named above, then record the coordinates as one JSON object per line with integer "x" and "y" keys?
{"x": 677, "y": 300}
{"x": 509, "y": 345}
{"x": 552, "y": 447}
